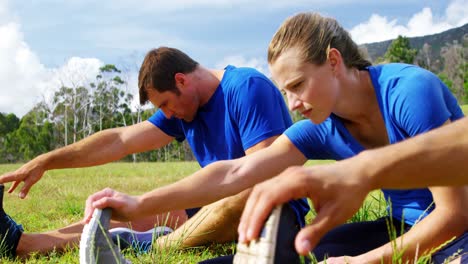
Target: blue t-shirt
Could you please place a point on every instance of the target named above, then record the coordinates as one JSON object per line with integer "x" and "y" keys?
{"x": 412, "y": 101}
{"x": 245, "y": 109}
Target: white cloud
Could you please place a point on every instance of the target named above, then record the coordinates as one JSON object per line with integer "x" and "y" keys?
{"x": 379, "y": 28}
{"x": 457, "y": 12}
{"x": 74, "y": 73}
{"x": 242, "y": 61}
{"x": 24, "y": 80}
{"x": 20, "y": 70}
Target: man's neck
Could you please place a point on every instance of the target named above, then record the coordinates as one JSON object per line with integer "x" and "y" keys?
{"x": 208, "y": 81}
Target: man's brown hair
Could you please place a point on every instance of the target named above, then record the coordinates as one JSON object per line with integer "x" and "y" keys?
{"x": 159, "y": 68}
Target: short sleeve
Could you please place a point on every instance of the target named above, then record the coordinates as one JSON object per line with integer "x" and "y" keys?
{"x": 309, "y": 138}
{"x": 421, "y": 102}
{"x": 260, "y": 111}
{"x": 171, "y": 127}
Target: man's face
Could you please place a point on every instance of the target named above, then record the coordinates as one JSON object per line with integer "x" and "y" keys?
{"x": 183, "y": 106}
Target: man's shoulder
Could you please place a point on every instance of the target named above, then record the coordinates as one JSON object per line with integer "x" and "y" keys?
{"x": 242, "y": 74}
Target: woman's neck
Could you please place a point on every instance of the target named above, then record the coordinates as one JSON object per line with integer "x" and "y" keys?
{"x": 357, "y": 102}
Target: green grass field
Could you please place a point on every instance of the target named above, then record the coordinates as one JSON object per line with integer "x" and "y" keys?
{"x": 58, "y": 200}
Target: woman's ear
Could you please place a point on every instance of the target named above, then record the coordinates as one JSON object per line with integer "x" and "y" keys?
{"x": 334, "y": 59}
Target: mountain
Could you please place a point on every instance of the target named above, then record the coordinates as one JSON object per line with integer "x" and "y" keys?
{"x": 437, "y": 41}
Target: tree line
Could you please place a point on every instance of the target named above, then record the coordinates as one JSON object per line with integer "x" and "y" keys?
{"x": 77, "y": 111}
{"x": 452, "y": 68}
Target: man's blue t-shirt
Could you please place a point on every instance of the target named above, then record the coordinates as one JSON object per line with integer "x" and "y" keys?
{"x": 412, "y": 101}
{"x": 245, "y": 109}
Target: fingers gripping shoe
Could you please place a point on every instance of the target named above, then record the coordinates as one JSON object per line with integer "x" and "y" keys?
{"x": 96, "y": 245}
{"x": 10, "y": 232}
{"x": 276, "y": 241}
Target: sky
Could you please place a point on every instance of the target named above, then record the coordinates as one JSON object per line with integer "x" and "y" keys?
{"x": 45, "y": 44}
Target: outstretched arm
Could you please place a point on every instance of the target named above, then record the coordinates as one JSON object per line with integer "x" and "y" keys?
{"x": 99, "y": 148}
{"x": 447, "y": 221}
{"x": 433, "y": 156}
{"x": 337, "y": 190}
{"x": 217, "y": 180}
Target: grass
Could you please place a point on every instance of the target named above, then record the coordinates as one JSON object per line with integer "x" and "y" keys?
{"x": 59, "y": 198}
{"x": 465, "y": 109}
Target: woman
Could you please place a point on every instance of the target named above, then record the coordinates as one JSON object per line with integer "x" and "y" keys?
{"x": 354, "y": 106}
{"x": 351, "y": 106}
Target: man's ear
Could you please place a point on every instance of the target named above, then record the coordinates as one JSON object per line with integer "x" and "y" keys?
{"x": 180, "y": 80}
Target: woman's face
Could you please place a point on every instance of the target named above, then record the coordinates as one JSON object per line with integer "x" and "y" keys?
{"x": 310, "y": 89}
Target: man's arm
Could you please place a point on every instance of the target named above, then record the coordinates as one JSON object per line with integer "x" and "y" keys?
{"x": 437, "y": 157}
{"x": 432, "y": 156}
{"x": 99, "y": 148}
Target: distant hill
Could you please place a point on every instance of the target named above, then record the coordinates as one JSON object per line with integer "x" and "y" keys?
{"x": 437, "y": 41}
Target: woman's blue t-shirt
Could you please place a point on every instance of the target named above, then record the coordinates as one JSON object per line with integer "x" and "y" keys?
{"x": 412, "y": 101}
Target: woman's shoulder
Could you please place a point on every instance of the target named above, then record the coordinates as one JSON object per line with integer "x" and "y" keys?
{"x": 392, "y": 70}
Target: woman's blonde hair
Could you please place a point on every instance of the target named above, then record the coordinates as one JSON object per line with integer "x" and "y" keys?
{"x": 314, "y": 35}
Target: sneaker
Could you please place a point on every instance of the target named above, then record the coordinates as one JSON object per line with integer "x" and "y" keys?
{"x": 10, "y": 231}
{"x": 276, "y": 241}
{"x": 96, "y": 245}
{"x": 140, "y": 242}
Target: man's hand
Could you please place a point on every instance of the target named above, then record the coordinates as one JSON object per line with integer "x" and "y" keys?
{"x": 336, "y": 197}
{"x": 124, "y": 207}
{"x": 29, "y": 173}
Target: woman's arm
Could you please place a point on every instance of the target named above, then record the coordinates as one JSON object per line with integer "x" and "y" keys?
{"x": 215, "y": 181}
{"x": 447, "y": 220}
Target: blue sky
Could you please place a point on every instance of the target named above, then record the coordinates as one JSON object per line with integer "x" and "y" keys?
{"x": 47, "y": 43}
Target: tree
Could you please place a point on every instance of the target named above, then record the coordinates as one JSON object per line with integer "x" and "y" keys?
{"x": 8, "y": 123}
{"x": 455, "y": 68}
{"x": 400, "y": 51}
{"x": 29, "y": 140}
{"x": 107, "y": 97}
{"x": 424, "y": 57}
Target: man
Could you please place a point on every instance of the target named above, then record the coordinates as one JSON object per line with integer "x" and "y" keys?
{"x": 223, "y": 114}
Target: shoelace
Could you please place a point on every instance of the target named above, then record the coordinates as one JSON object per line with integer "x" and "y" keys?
{"x": 141, "y": 246}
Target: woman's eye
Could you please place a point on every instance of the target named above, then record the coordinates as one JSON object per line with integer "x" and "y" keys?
{"x": 296, "y": 85}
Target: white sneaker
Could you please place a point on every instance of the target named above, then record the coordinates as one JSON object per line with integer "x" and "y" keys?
{"x": 96, "y": 245}
{"x": 276, "y": 241}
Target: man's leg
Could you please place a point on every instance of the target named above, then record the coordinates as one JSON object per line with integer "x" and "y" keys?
{"x": 69, "y": 236}
{"x": 214, "y": 223}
